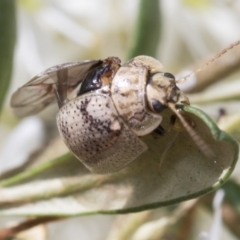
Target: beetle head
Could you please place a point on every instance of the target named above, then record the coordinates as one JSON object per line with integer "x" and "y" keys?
{"x": 162, "y": 90}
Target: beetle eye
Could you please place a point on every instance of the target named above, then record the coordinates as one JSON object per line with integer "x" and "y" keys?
{"x": 93, "y": 80}
{"x": 168, "y": 75}
{"x": 157, "y": 106}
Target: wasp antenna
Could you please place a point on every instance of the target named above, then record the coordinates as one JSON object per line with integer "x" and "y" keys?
{"x": 181, "y": 80}
{"x": 201, "y": 144}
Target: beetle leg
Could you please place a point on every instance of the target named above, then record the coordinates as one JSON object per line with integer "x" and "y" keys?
{"x": 158, "y": 132}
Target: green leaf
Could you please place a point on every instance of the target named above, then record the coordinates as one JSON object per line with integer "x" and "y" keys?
{"x": 232, "y": 191}
{"x": 66, "y": 187}
{"x": 147, "y": 33}
{"x": 7, "y": 41}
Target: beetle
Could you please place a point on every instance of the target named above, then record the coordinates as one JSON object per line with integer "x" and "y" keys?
{"x": 114, "y": 106}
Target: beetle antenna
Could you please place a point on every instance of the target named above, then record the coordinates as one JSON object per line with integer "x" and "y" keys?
{"x": 181, "y": 80}
{"x": 166, "y": 149}
{"x": 201, "y": 144}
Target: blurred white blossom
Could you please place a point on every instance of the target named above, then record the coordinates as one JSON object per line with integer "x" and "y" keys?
{"x": 216, "y": 228}
{"x": 26, "y": 138}
{"x": 193, "y": 30}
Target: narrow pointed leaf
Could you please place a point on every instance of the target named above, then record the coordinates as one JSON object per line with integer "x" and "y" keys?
{"x": 7, "y": 41}
{"x": 147, "y": 33}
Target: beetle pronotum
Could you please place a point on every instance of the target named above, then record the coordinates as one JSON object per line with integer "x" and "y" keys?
{"x": 114, "y": 105}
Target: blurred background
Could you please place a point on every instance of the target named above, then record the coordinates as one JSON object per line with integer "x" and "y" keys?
{"x": 183, "y": 35}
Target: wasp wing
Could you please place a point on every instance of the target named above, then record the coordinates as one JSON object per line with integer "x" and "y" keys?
{"x": 39, "y": 92}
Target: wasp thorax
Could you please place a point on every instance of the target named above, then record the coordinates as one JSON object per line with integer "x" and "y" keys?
{"x": 162, "y": 90}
